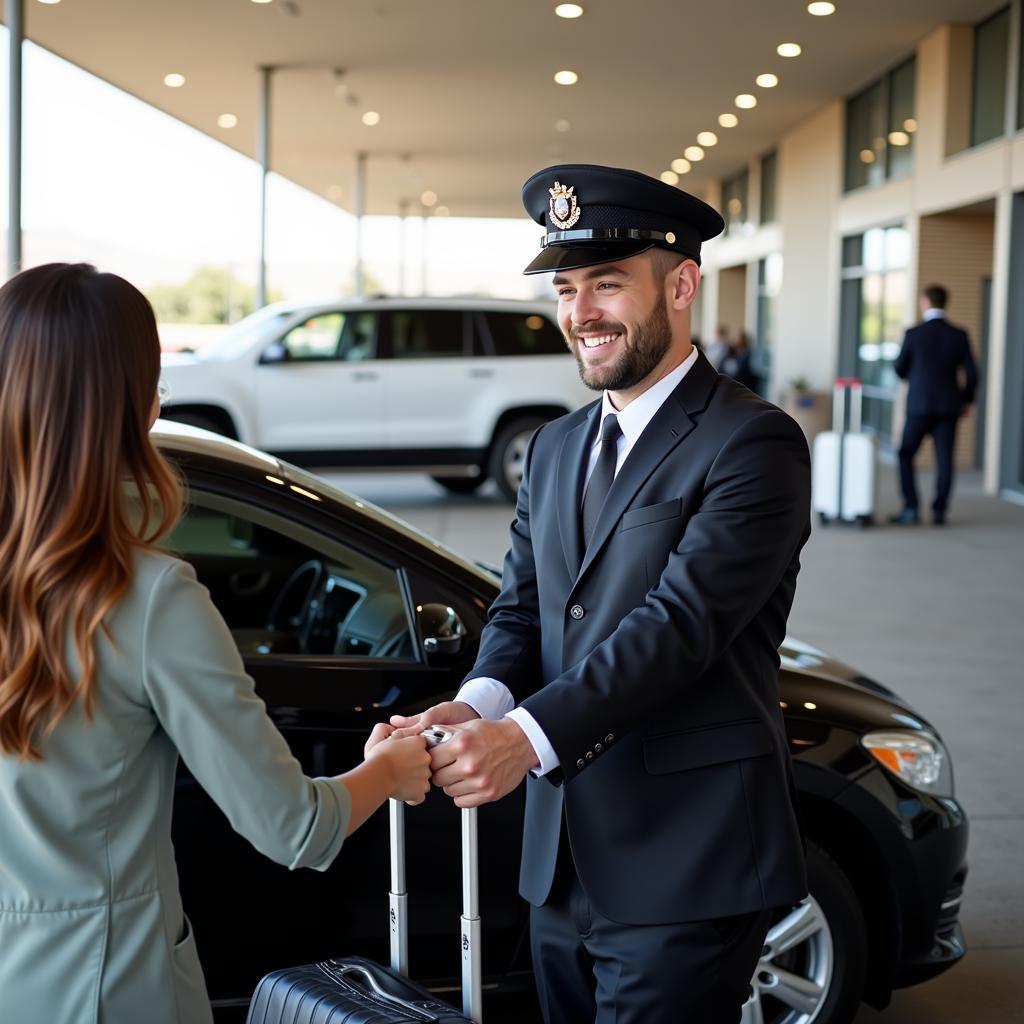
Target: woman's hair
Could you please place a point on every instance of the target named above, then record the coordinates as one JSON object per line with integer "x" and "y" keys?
{"x": 79, "y": 368}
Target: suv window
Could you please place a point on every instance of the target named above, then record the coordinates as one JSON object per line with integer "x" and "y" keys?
{"x": 529, "y": 334}
{"x": 427, "y": 334}
{"x": 336, "y": 335}
{"x": 283, "y": 589}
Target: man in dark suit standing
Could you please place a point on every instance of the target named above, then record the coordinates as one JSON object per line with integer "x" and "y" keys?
{"x": 630, "y": 664}
{"x": 933, "y": 355}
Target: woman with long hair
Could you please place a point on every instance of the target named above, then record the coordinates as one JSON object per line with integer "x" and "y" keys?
{"x": 113, "y": 660}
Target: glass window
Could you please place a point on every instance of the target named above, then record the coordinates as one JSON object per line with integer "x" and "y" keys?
{"x": 880, "y": 127}
{"x": 358, "y": 337}
{"x": 315, "y": 338}
{"x": 769, "y": 287}
{"x": 427, "y": 334}
{"x": 518, "y": 334}
{"x": 734, "y": 200}
{"x": 991, "y": 50}
{"x": 769, "y": 176}
{"x": 284, "y": 589}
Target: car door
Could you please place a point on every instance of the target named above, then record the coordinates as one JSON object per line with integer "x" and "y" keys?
{"x": 319, "y": 386}
{"x": 430, "y": 379}
{"x": 332, "y": 643}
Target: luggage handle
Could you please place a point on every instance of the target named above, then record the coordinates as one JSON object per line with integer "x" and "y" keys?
{"x": 387, "y": 997}
{"x": 856, "y": 389}
{"x": 472, "y": 975}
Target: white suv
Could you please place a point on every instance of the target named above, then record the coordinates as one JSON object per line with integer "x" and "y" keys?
{"x": 453, "y": 388}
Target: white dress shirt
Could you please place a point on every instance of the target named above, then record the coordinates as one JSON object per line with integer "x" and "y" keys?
{"x": 490, "y": 698}
{"x": 934, "y": 314}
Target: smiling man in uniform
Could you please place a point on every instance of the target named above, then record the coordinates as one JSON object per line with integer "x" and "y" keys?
{"x": 630, "y": 664}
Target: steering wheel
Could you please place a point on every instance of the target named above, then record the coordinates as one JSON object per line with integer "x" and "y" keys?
{"x": 297, "y": 602}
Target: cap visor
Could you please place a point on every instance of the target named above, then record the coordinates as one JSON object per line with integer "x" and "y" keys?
{"x": 572, "y": 257}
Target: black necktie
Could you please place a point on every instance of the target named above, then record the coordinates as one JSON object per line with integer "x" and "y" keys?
{"x": 601, "y": 479}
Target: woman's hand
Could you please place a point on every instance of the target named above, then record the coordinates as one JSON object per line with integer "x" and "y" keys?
{"x": 408, "y": 762}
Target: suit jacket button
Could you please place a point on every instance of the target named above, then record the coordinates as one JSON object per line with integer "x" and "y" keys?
{"x": 610, "y": 738}
{"x": 576, "y": 611}
{"x": 590, "y": 755}
{"x": 581, "y": 763}
{"x": 598, "y": 748}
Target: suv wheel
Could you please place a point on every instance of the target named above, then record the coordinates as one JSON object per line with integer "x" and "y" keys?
{"x": 505, "y": 464}
{"x": 460, "y": 484}
{"x": 813, "y": 963}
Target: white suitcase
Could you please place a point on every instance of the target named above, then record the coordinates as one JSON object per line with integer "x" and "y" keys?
{"x": 843, "y": 478}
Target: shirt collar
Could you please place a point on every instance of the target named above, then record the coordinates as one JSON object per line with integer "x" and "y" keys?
{"x": 635, "y": 417}
{"x": 934, "y": 314}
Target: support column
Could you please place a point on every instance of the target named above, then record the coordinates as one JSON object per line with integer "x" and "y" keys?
{"x": 263, "y": 155}
{"x": 15, "y": 10}
{"x": 423, "y": 252}
{"x": 403, "y": 212}
{"x": 360, "y": 212}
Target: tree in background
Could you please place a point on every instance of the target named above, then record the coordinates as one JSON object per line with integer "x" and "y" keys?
{"x": 211, "y": 295}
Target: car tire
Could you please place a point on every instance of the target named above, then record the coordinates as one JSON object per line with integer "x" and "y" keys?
{"x": 821, "y": 941}
{"x": 460, "y": 484}
{"x": 505, "y": 464}
{"x": 194, "y": 419}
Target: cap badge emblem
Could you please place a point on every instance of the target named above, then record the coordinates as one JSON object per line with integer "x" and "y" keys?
{"x": 564, "y": 209}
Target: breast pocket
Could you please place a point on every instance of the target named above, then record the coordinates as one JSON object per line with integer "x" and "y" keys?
{"x": 700, "y": 748}
{"x": 647, "y": 515}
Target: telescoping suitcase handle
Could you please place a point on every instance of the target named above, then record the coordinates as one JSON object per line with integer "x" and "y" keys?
{"x": 472, "y": 974}
{"x": 839, "y": 415}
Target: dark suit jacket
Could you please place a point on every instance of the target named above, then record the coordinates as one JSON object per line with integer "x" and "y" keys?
{"x": 651, "y": 662}
{"x": 933, "y": 352}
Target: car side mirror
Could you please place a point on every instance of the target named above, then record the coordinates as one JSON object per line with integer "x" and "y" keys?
{"x": 441, "y": 628}
{"x": 275, "y": 353}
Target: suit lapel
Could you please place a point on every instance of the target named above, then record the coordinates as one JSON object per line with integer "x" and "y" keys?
{"x": 670, "y": 425}
{"x": 572, "y": 460}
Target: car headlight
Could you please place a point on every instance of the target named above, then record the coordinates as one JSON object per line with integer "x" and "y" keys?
{"x": 918, "y": 758}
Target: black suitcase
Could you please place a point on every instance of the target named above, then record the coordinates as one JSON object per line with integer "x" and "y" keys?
{"x": 354, "y": 990}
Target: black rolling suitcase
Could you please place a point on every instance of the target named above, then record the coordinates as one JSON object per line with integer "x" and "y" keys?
{"x": 354, "y": 990}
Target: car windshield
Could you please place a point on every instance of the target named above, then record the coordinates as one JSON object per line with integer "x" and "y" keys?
{"x": 238, "y": 337}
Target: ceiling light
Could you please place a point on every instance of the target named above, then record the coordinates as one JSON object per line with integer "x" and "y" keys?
{"x": 227, "y": 121}
{"x": 566, "y": 77}
{"x": 821, "y": 8}
{"x": 569, "y": 11}
{"x": 561, "y": 125}
{"x": 174, "y": 81}
{"x": 767, "y": 81}
{"x": 371, "y": 118}
{"x": 442, "y": 211}
{"x": 728, "y": 120}
{"x": 693, "y": 153}
{"x": 867, "y": 156}
{"x": 334, "y": 192}
{"x": 910, "y": 125}
{"x": 670, "y": 177}
{"x": 899, "y": 139}
{"x": 681, "y": 166}
{"x": 262, "y": 1}
{"x": 707, "y": 138}
{"x": 745, "y": 101}
{"x": 788, "y": 50}
{"x": 428, "y": 198}
{"x": 49, "y": 1}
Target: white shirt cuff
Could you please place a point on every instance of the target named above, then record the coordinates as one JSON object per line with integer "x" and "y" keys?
{"x": 546, "y": 756}
{"x": 489, "y": 698}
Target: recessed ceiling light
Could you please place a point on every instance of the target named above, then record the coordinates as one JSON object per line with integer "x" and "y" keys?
{"x": 174, "y": 81}
{"x": 681, "y": 166}
{"x": 670, "y": 177}
{"x": 566, "y": 77}
{"x": 910, "y": 125}
{"x": 693, "y": 153}
{"x": 745, "y": 101}
{"x": 767, "y": 81}
{"x": 335, "y": 192}
{"x": 561, "y": 125}
{"x": 569, "y": 10}
{"x": 728, "y": 120}
{"x": 788, "y": 50}
{"x": 867, "y": 156}
{"x": 262, "y": 1}
{"x": 51, "y": 2}
{"x": 707, "y": 138}
{"x": 441, "y": 211}
{"x": 899, "y": 139}
{"x": 227, "y": 121}
{"x": 371, "y": 118}
{"x": 428, "y": 198}
{"x": 821, "y": 8}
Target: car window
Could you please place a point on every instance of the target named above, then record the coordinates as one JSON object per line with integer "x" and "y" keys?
{"x": 427, "y": 334}
{"x": 314, "y": 339}
{"x": 284, "y": 589}
{"x": 358, "y": 337}
{"x": 524, "y": 334}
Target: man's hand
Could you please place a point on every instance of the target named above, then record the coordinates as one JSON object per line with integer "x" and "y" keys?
{"x": 450, "y": 712}
{"x": 483, "y": 762}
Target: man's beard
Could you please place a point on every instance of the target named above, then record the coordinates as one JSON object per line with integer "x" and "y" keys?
{"x": 642, "y": 349}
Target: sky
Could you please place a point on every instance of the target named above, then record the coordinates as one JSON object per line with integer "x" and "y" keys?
{"x": 111, "y": 180}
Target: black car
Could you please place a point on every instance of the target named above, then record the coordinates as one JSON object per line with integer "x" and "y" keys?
{"x": 345, "y": 615}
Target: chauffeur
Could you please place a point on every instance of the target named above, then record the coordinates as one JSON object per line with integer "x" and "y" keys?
{"x": 630, "y": 663}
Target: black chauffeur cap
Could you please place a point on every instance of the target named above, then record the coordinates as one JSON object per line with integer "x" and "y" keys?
{"x": 598, "y": 214}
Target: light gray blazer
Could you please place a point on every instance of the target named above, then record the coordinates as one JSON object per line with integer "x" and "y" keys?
{"x": 91, "y": 922}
